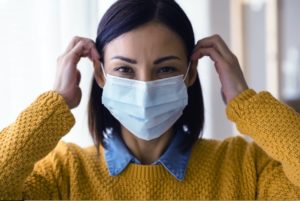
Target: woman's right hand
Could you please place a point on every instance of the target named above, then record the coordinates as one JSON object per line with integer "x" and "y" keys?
{"x": 68, "y": 76}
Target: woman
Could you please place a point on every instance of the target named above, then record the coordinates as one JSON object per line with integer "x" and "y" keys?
{"x": 145, "y": 116}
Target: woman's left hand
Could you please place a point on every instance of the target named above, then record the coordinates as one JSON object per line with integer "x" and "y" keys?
{"x": 226, "y": 64}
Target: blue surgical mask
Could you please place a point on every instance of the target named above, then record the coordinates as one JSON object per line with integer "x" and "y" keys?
{"x": 146, "y": 109}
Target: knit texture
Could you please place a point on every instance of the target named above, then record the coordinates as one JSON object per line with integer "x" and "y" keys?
{"x": 34, "y": 164}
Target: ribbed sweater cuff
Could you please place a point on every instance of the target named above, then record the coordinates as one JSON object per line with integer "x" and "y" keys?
{"x": 51, "y": 98}
{"x": 54, "y": 103}
{"x": 235, "y": 106}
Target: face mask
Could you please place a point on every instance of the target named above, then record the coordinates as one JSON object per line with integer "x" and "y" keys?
{"x": 146, "y": 109}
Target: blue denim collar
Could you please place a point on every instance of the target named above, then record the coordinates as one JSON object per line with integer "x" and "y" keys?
{"x": 174, "y": 160}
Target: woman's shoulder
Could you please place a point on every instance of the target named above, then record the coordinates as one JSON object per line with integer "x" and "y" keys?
{"x": 230, "y": 148}
{"x": 67, "y": 153}
{"x": 215, "y": 144}
{"x": 72, "y": 150}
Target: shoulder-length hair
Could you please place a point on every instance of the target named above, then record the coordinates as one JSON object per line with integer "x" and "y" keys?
{"x": 124, "y": 16}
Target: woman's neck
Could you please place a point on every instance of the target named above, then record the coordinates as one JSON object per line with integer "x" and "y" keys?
{"x": 146, "y": 151}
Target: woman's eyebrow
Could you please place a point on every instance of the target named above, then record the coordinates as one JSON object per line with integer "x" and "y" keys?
{"x": 162, "y": 59}
{"x": 157, "y": 61}
{"x": 128, "y": 60}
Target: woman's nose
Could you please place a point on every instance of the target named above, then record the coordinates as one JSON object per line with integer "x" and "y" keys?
{"x": 145, "y": 76}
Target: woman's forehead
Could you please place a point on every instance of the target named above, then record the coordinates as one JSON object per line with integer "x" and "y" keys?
{"x": 150, "y": 40}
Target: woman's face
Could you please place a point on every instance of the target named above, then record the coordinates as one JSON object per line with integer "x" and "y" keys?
{"x": 147, "y": 53}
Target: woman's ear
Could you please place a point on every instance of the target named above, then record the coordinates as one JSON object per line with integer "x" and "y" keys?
{"x": 192, "y": 74}
{"x": 98, "y": 74}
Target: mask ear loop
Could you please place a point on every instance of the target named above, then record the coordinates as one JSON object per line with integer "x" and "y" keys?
{"x": 187, "y": 71}
{"x": 103, "y": 71}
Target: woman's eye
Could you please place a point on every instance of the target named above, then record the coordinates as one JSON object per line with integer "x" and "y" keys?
{"x": 124, "y": 69}
{"x": 167, "y": 69}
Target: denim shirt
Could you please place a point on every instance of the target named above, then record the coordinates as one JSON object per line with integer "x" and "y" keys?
{"x": 174, "y": 160}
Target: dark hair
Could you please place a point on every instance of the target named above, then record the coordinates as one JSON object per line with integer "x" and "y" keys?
{"x": 124, "y": 16}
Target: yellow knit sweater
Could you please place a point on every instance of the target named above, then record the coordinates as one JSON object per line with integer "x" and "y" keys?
{"x": 35, "y": 165}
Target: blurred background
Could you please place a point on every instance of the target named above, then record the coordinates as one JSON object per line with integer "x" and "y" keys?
{"x": 264, "y": 34}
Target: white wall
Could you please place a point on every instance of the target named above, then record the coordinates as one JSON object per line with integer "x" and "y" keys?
{"x": 290, "y": 49}
{"x": 33, "y": 34}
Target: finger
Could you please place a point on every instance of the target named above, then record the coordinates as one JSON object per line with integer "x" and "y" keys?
{"x": 81, "y": 49}
{"x": 93, "y": 54}
{"x": 212, "y": 41}
{"x": 78, "y": 77}
{"x": 214, "y": 56}
{"x": 77, "y": 97}
{"x": 73, "y": 42}
{"x": 88, "y": 50}
{"x": 216, "y": 42}
{"x": 223, "y": 96}
{"x": 77, "y": 39}
{"x": 211, "y": 52}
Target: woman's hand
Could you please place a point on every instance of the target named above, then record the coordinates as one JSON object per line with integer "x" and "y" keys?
{"x": 68, "y": 76}
{"x": 226, "y": 64}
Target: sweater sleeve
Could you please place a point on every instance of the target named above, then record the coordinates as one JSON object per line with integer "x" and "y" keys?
{"x": 275, "y": 128}
{"x": 30, "y": 138}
